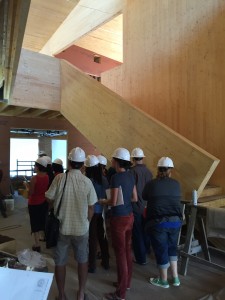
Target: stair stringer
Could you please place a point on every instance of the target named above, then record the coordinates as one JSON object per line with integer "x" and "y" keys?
{"x": 108, "y": 121}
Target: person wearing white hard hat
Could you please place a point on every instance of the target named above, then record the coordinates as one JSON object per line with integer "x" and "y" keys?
{"x": 37, "y": 204}
{"x": 49, "y": 168}
{"x": 121, "y": 220}
{"x": 164, "y": 219}
{"x": 57, "y": 166}
{"x": 76, "y": 211}
{"x": 103, "y": 163}
{"x": 96, "y": 230}
{"x": 140, "y": 240}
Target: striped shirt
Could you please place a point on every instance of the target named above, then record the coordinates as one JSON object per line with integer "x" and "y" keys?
{"x": 79, "y": 193}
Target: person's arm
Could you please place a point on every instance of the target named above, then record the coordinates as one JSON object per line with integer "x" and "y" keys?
{"x": 134, "y": 195}
{"x": 113, "y": 199}
{"x": 31, "y": 186}
{"x": 90, "y": 212}
{"x": 50, "y": 194}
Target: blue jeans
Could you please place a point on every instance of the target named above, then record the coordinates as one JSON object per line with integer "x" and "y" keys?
{"x": 140, "y": 240}
{"x": 164, "y": 243}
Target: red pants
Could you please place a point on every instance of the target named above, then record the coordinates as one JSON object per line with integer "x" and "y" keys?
{"x": 121, "y": 231}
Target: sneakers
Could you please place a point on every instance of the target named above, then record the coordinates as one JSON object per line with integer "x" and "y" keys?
{"x": 176, "y": 281}
{"x": 159, "y": 282}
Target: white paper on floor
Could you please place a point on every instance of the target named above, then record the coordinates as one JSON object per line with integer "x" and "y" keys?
{"x": 24, "y": 285}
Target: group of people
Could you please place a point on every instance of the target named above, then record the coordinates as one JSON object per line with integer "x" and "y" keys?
{"x": 142, "y": 211}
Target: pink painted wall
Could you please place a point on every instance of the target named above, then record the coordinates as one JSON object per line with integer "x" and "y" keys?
{"x": 84, "y": 60}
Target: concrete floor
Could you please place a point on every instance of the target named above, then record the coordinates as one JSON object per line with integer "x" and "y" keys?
{"x": 199, "y": 282}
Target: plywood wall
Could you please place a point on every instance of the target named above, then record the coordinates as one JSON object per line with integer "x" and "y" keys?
{"x": 174, "y": 68}
{"x": 109, "y": 122}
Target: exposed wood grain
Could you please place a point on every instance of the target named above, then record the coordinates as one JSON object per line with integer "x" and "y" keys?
{"x": 43, "y": 20}
{"x": 37, "y": 82}
{"x": 110, "y": 122}
{"x": 16, "y": 21}
{"x": 107, "y": 40}
{"x": 84, "y": 18}
{"x": 174, "y": 69}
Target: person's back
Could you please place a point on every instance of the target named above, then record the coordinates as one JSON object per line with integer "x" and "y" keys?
{"x": 163, "y": 196}
{"x": 142, "y": 175}
{"x": 77, "y": 196}
{"x": 40, "y": 187}
{"x": 140, "y": 241}
{"x": 74, "y": 206}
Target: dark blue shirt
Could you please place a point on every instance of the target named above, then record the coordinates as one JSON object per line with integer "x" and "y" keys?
{"x": 100, "y": 191}
{"x": 126, "y": 181}
{"x": 163, "y": 196}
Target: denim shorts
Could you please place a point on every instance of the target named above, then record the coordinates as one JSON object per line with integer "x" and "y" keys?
{"x": 164, "y": 243}
{"x": 79, "y": 245}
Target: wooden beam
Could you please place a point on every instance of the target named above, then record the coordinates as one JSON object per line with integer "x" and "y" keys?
{"x": 108, "y": 121}
{"x": 53, "y": 115}
{"x": 38, "y": 113}
{"x": 37, "y": 82}
{"x": 3, "y": 106}
{"x": 15, "y": 19}
{"x": 16, "y": 111}
{"x": 84, "y": 18}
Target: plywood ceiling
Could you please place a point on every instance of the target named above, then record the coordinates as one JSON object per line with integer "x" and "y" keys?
{"x": 45, "y": 16}
{"x": 107, "y": 40}
{"x": 48, "y": 19}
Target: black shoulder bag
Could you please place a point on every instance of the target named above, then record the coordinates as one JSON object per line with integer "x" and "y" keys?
{"x": 52, "y": 224}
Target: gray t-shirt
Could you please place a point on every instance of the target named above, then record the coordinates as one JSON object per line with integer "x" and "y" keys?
{"x": 142, "y": 175}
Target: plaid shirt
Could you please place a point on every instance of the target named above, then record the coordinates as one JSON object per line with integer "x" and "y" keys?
{"x": 79, "y": 193}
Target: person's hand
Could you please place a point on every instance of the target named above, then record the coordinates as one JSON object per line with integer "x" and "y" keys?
{"x": 102, "y": 201}
{"x": 26, "y": 184}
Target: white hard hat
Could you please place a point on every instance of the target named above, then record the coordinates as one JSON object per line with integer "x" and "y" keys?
{"x": 69, "y": 156}
{"x": 121, "y": 153}
{"x": 102, "y": 160}
{"x": 77, "y": 154}
{"x": 165, "y": 162}
{"x": 137, "y": 152}
{"x": 91, "y": 161}
{"x": 42, "y": 161}
{"x": 48, "y": 159}
{"x": 58, "y": 161}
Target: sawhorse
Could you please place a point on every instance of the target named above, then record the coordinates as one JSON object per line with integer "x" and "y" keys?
{"x": 197, "y": 215}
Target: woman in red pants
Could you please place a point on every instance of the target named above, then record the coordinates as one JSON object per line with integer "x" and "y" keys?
{"x": 123, "y": 192}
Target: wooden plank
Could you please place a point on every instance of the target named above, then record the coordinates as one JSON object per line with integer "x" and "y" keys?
{"x": 84, "y": 18}
{"x": 219, "y": 202}
{"x": 110, "y": 122}
{"x": 37, "y": 82}
{"x": 43, "y": 20}
{"x": 16, "y": 22}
